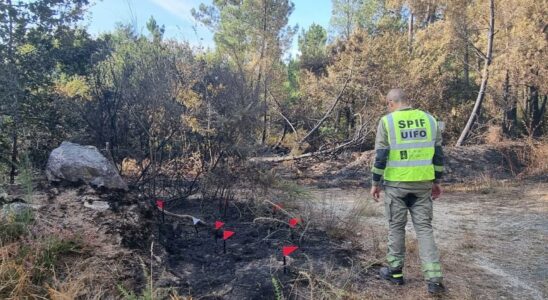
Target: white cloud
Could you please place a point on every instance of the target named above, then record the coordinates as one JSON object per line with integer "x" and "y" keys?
{"x": 179, "y": 8}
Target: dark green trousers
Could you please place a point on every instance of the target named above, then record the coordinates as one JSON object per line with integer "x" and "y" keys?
{"x": 418, "y": 202}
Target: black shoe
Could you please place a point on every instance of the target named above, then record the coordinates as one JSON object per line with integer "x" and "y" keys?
{"x": 394, "y": 276}
{"x": 435, "y": 287}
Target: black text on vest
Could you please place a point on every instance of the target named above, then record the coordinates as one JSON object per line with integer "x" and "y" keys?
{"x": 417, "y": 123}
{"x": 413, "y": 134}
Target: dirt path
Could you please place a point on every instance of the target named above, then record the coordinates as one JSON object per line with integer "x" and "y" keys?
{"x": 493, "y": 239}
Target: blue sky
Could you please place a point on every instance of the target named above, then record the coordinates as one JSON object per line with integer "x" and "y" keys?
{"x": 176, "y": 16}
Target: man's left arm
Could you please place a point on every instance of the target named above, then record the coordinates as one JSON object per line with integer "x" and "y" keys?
{"x": 438, "y": 159}
{"x": 438, "y": 162}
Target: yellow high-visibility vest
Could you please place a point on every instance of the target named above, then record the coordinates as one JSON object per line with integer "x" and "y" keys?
{"x": 412, "y": 138}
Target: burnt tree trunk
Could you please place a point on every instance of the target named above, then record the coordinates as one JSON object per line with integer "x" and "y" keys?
{"x": 536, "y": 110}
{"x": 510, "y": 114}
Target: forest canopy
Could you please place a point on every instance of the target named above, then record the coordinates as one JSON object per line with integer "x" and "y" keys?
{"x": 154, "y": 103}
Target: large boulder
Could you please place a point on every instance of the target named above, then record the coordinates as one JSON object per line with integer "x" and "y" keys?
{"x": 77, "y": 163}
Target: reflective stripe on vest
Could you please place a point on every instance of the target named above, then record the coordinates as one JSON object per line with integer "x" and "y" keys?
{"x": 412, "y": 136}
{"x": 409, "y": 163}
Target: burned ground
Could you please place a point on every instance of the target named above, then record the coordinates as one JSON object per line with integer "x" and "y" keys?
{"x": 491, "y": 231}
{"x": 254, "y": 254}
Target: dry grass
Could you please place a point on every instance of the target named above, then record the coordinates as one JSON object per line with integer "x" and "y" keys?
{"x": 327, "y": 281}
{"x": 30, "y": 265}
{"x": 63, "y": 267}
{"x": 49, "y": 262}
{"x": 484, "y": 184}
{"x": 341, "y": 221}
{"x": 536, "y": 158}
{"x": 365, "y": 208}
{"x": 493, "y": 135}
{"x": 525, "y": 158}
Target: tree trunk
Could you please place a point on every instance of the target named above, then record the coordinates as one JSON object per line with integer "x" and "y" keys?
{"x": 349, "y": 23}
{"x": 430, "y": 13}
{"x": 427, "y": 14}
{"x": 484, "y": 76}
{"x": 337, "y": 120}
{"x": 14, "y": 93}
{"x": 466, "y": 68}
{"x": 410, "y": 32}
{"x": 265, "y": 112}
{"x": 537, "y": 111}
{"x": 541, "y": 112}
{"x": 263, "y": 69}
{"x": 466, "y": 55}
{"x": 13, "y": 156}
{"x": 280, "y": 141}
{"x": 510, "y": 114}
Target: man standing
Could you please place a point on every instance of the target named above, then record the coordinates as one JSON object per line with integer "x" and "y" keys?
{"x": 410, "y": 157}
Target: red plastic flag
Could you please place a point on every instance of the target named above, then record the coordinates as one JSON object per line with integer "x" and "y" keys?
{"x": 227, "y": 234}
{"x": 218, "y": 225}
{"x": 160, "y": 204}
{"x": 286, "y": 250}
{"x": 293, "y": 222}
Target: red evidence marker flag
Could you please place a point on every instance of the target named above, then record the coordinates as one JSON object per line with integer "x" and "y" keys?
{"x": 293, "y": 222}
{"x": 218, "y": 225}
{"x": 227, "y": 234}
{"x": 160, "y": 204}
{"x": 286, "y": 250}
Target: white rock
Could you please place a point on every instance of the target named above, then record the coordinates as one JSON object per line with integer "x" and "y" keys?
{"x": 97, "y": 205}
{"x": 74, "y": 163}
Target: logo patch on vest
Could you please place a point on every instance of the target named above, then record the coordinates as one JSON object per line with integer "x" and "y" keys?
{"x": 413, "y": 134}
{"x": 403, "y": 154}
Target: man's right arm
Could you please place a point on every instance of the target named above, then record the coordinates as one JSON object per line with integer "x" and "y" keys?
{"x": 382, "y": 149}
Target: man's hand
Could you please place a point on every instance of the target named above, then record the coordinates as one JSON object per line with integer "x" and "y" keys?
{"x": 375, "y": 192}
{"x": 436, "y": 191}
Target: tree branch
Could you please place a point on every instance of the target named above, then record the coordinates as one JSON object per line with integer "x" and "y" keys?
{"x": 328, "y": 111}
{"x": 296, "y": 157}
{"x": 281, "y": 113}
